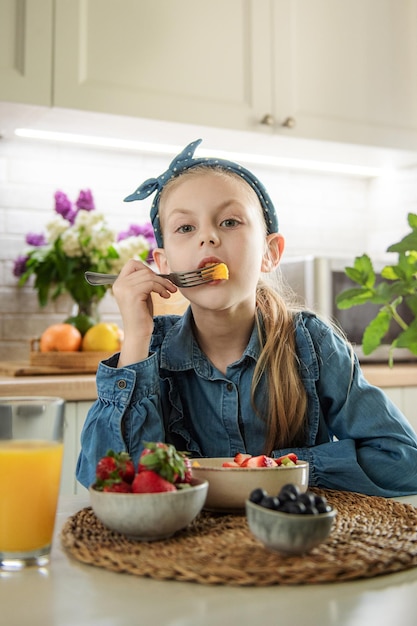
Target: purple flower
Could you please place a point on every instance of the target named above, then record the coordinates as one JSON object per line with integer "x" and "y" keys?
{"x": 85, "y": 201}
{"x": 135, "y": 230}
{"x": 146, "y": 230}
{"x": 63, "y": 206}
{"x": 19, "y": 267}
{"x": 36, "y": 240}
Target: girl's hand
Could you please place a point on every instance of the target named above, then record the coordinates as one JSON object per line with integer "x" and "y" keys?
{"x": 132, "y": 291}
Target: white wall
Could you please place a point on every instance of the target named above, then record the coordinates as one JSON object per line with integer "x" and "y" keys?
{"x": 328, "y": 215}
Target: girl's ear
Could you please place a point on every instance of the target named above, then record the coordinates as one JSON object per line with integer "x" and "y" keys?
{"x": 161, "y": 260}
{"x": 274, "y": 248}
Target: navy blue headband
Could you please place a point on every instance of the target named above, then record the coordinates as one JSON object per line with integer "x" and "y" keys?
{"x": 185, "y": 161}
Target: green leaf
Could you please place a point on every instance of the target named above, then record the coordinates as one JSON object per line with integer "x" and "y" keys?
{"x": 353, "y": 297}
{"x": 412, "y": 221}
{"x": 376, "y": 331}
{"x": 409, "y": 242}
{"x": 408, "y": 338}
{"x": 362, "y": 271}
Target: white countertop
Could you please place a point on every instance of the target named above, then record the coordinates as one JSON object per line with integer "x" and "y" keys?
{"x": 69, "y": 593}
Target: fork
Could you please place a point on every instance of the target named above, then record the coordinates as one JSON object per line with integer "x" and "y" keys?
{"x": 180, "y": 279}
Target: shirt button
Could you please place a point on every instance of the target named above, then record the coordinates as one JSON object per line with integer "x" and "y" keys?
{"x": 229, "y": 387}
{"x": 121, "y": 384}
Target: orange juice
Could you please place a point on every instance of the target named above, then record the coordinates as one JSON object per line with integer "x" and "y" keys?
{"x": 30, "y": 473}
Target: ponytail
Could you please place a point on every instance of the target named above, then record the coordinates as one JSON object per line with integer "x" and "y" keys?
{"x": 286, "y": 403}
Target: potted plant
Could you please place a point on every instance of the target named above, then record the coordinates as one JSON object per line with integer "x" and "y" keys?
{"x": 398, "y": 285}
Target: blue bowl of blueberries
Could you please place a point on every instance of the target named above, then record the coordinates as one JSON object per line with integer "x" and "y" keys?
{"x": 291, "y": 522}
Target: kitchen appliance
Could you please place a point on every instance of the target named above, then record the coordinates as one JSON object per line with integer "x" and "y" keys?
{"x": 318, "y": 280}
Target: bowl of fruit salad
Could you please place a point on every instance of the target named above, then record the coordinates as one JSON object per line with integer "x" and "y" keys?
{"x": 290, "y": 522}
{"x": 231, "y": 480}
{"x": 150, "y": 502}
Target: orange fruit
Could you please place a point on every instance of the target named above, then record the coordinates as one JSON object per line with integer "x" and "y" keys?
{"x": 60, "y": 338}
{"x": 102, "y": 337}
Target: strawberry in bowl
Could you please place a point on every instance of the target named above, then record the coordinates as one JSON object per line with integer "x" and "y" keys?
{"x": 231, "y": 480}
{"x": 151, "y": 503}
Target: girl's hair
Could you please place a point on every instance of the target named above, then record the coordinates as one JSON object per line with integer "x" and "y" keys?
{"x": 285, "y": 410}
{"x": 286, "y": 403}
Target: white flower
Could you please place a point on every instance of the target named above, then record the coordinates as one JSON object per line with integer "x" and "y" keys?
{"x": 70, "y": 243}
{"x": 129, "y": 248}
{"x": 55, "y": 228}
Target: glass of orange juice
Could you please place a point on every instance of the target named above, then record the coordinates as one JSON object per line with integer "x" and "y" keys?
{"x": 31, "y": 451}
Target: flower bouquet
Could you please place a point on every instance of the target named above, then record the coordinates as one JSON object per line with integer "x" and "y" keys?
{"x": 76, "y": 240}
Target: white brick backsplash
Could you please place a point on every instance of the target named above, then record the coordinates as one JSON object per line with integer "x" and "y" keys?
{"x": 319, "y": 214}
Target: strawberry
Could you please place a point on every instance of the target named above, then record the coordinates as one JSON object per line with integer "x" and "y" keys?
{"x": 126, "y": 467}
{"x": 188, "y": 472}
{"x": 116, "y": 486}
{"x": 259, "y": 461}
{"x": 148, "y": 481}
{"x": 240, "y": 458}
{"x": 106, "y": 467}
{"x": 287, "y": 459}
{"x": 115, "y": 465}
{"x": 230, "y": 464}
{"x": 166, "y": 461}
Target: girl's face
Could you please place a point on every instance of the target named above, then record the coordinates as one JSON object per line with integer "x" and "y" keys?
{"x": 207, "y": 218}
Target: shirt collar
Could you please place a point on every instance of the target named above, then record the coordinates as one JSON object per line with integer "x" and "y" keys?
{"x": 180, "y": 351}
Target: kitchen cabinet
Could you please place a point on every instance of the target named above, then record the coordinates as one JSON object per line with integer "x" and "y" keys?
{"x": 75, "y": 414}
{"x": 346, "y": 71}
{"x": 188, "y": 61}
{"x": 406, "y": 400}
{"x": 316, "y": 69}
{"x": 26, "y": 35}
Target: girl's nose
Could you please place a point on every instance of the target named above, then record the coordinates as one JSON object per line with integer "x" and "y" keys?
{"x": 209, "y": 238}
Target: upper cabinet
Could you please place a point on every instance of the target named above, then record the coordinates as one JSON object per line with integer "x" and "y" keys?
{"x": 190, "y": 61}
{"x": 332, "y": 70}
{"x": 346, "y": 70}
{"x": 26, "y": 34}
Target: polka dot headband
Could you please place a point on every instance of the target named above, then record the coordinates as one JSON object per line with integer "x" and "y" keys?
{"x": 185, "y": 161}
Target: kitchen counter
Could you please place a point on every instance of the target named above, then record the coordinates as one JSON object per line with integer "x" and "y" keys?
{"x": 69, "y": 592}
{"x": 71, "y": 387}
{"x": 78, "y": 387}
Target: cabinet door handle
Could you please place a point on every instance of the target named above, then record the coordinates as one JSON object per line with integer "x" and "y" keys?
{"x": 289, "y": 122}
{"x": 268, "y": 120}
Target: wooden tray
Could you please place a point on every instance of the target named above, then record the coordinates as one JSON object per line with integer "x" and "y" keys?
{"x": 84, "y": 362}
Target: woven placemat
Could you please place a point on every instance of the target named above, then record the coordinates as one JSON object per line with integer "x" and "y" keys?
{"x": 371, "y": 536}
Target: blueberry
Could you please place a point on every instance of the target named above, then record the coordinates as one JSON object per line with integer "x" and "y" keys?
{"x": 311, "y": 510}
{"x": 307, "y": 498}
{"x": 270, "y": 502}
{"x": 257, "y": 495}
{"x": 322, "y": 505}
{"x": 291, "y": 488}
{"x": 289, "y": 493}
{"x": 323, "y": 508}
{"x": 296, "y": 508}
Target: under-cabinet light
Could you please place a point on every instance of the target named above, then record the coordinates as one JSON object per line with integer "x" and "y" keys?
{"x": 333, "y": 167}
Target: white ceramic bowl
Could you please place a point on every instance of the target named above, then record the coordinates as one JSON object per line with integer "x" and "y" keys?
{"x": 230, "y": 487}
{"x": 149, "y": 516}
{"x": 288, "y": 533}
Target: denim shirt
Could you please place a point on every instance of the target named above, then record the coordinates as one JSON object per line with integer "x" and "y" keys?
{"x": 356, "y": 438}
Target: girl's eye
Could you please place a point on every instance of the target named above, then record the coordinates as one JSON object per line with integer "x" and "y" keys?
{"x": 186, "y": 228}
{"x": 230, "y": 223}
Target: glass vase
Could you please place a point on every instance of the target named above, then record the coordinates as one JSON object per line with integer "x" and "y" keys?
{"x": 84, "y": 315}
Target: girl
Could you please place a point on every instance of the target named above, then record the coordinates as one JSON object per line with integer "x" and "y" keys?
{"x": 240, "y": 371}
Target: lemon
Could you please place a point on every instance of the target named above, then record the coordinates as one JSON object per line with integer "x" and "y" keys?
{"x": 102, "y": 337}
